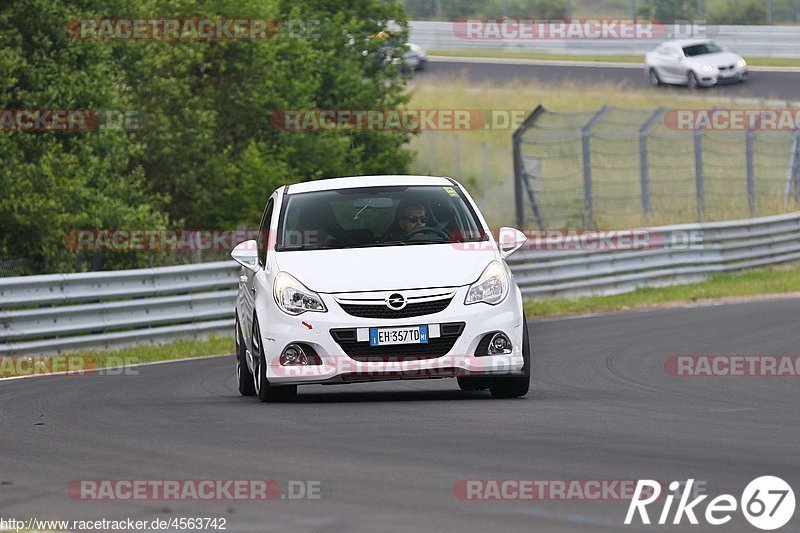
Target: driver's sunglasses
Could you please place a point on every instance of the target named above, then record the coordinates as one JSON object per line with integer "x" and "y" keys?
{"x": 414, "y": 218}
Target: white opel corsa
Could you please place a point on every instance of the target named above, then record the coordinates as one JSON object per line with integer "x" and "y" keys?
{"x": 375, "y": 278}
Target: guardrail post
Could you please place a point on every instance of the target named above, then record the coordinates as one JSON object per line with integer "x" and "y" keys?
{"x": 643, "y": 156}
{"x": 516, "y": 141}
{"x": 586, "y": 132}
{"x": 751, "y": 174}
{"x": 698, "y": 174}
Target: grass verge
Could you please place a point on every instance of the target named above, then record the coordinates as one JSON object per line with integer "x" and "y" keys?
{"x": 755, "y": 282}
{"x": 599, "y": 58}
{"x": 91, "y": 361}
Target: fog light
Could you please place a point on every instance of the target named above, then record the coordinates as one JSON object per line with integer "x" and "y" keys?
{"x": 500, "y": 344}
{"x": 293, "y": 355}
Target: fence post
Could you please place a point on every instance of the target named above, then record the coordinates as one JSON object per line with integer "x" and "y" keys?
{"x": 432, "y": 159}
{"x": 751, "y": 174}
{"x": 644, "y": 131}
{"x": 457, "y": 151}
{"x": 698, "y": 174}
{"x": 791, "y": 177}
{"x": 485, "y": 162}
{"x": 516, "y": 141}
{"x": 586, "y": 132}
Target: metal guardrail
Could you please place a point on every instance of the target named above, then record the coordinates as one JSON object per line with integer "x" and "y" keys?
{"x": 65, "y": 312}
{"x": 758, "y": 41}
{"x": 69, "y": 312}
{"x": 719, "y": 247}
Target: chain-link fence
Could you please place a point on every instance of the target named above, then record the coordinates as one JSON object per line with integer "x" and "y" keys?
{"x": 614, "y": 168}
{"x": 484, "y": 168}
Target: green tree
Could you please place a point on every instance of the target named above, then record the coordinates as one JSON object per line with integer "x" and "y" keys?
{"x": 54, "y": 182}
{"x": 668, "y": 11}
{"x": 211, "y": 137}
{"x": 207, "y": 153}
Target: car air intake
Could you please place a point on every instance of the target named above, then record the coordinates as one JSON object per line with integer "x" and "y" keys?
{"x": 383, "y": 311}
{"x": 363, "y": 352}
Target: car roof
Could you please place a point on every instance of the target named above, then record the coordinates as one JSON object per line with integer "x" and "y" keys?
{"x": 365, "y": 181}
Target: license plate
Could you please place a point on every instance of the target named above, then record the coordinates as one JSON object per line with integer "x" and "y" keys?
{"x": 387, "y": 336}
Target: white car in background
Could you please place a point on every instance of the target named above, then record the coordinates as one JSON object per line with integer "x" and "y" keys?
{"x": 693, "y": 62}
{"x": 415, "y": 57}
{"x": 375, "y": 278}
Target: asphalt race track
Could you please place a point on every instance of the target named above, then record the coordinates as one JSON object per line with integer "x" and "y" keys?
{"x": 767, "y": 85}
{"x": 388, "y": 455}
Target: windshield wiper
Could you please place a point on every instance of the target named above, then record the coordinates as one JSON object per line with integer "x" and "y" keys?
{"x": 370, "y": 244}
{"x": 302, "y": 247}
{"x": 395, "y": 243}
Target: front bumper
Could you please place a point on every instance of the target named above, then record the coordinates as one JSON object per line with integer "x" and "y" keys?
{"x": 722, "y": 77}
{"x": 314, "y": 330}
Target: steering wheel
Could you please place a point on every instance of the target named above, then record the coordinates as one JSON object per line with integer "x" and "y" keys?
{"x": 429, "y": 229}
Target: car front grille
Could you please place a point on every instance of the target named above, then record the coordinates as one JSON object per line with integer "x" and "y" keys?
{"x": 363, "y": 352}
{"x": 383, "y": 311}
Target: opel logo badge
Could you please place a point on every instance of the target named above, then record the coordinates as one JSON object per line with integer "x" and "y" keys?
{"x": 396, "y": 301}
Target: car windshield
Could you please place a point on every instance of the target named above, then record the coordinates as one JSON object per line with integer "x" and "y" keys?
{"x": 377, "y": 216}
{"x": 701, "y": 49}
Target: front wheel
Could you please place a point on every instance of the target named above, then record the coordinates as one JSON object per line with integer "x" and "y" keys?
{"x": 655, "y": 81}
{"x": 692, "y": 81}
{"x": 244, "y": 379}
{"x": 515, "y": 386}
{"x": 265, "y": 391}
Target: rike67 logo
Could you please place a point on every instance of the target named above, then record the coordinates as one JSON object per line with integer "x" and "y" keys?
{"x": 767, "y": 503}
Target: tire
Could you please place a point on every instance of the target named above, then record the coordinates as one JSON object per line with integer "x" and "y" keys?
{"x": 655, "y": 81}
{"x": 472, "y": 383}
{"x": 244, "y": 378}
{"x": 264, "y": 391}
{"x": 692, "y": 81}
{"x": 515, "y": 386}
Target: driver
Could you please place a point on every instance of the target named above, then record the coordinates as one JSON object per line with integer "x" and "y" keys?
{"x": 412, "y": 217}
{"x": 408, "y": 218}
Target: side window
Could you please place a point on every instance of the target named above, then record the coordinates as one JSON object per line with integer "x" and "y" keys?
{"x": 263, "y": 233}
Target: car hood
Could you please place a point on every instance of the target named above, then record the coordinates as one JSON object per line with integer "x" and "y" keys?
{"x": 715, "y": 60}
{"x": 389, "y": 267}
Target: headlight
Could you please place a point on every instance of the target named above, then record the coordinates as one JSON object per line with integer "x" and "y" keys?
{"x": 294, "y": 298}
{"x": 707, "y": 68}
{"x": 741, "y": 63}
{"x": 491, "y": 287}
